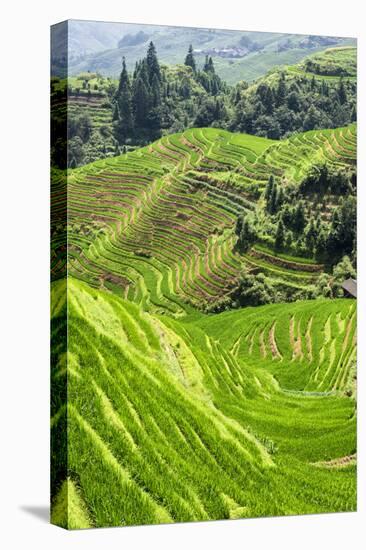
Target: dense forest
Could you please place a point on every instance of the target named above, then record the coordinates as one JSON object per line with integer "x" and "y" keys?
{"x": 273, "y": 111}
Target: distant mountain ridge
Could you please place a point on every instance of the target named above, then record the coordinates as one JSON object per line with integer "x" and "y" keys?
{"x": 238, "y": 55}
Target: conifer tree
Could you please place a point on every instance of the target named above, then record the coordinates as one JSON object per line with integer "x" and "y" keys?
{"x": 123, "y": 79}
{"x": 299, "y": 217}
{"x": 269, "y": 189}
{"x": 206, "y": 64}
{"x": 268, "y": 100}
{"x": 189, "y": 60}
{"x": 311, "y": 235}
{"x": 280, "y": 236}
{"x": 115, "y": 114}
{"x": 324, "y": 88}
{"x": 321, "y": 243}
{"x": 281, "y": 91}
{"x": 143, "y": 73}
{"x": 214, "y": 86}
{"x": 155, "y": 92}
{"x": 239, "y": 225}
{"x": 247, "y": 232}
{"x": 125, "y": 122}
{"x": 342, "y": 94}
{"x": 280, "y": 198}
{"x": 153, "y": 66}
{"x": 141, "y": 102}
{"x": 237, "y": 96}
{"x": 272, "y": 208}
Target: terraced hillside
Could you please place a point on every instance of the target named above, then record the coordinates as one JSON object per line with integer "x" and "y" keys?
{"x": 319, "y": 336}
{"x": 329, "y": 66}
{"x": 203, "y": 348}
{"x": 156, "y": 226}
{"x": 332, "y": 63}
{"x": 241, "y": 414}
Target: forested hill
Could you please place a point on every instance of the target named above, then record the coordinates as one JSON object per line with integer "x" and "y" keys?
{"x": 106, "y": 117}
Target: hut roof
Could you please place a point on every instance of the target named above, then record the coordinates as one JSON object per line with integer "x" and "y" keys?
{"x": 350, "y": 286}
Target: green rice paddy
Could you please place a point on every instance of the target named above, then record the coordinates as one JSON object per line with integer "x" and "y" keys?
{"x": 174, "y": 415}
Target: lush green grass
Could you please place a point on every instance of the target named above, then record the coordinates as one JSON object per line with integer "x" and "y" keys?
{"x": 221, "y": 416}
{"x": 173, "y": 415}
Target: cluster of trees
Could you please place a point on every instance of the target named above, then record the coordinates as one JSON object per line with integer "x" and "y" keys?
{"x": 329, "y": 285}
{"x": 326, "y": 69}
{"x": 247, "y": 231}
{"x": 85, "y": 144}
{"x": 300, "y": 223}
{"x": 322, "y": 178}
{"x": 258, "y": 289}
{"x": 293, "y": 105}
{"x": 300, "y": 227}
{"x": 255, "y": 290}
{"x": 79, "y": 126}
{"x": 153, "y": 99}
{"x": 137, "y": 103}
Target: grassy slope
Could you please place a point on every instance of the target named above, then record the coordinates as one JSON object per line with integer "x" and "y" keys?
{"x": 341, "y": 58}
{"x": 172, "y": 421}
{"x": 156, "y": 225}
{"x": 194, "y": 417}
{"x": 344, "y": 58}
{"x": 257, "y": 64}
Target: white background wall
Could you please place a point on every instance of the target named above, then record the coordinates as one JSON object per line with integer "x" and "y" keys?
{"x": 24, "y": 290}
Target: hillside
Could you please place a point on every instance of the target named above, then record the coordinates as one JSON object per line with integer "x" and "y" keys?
{"x": 238, "y": 55}
{"x": 332, "y": 63}
{"x": 206, "y": 419}
{"x": 319, "y": 92}
{"x": 157, "y": 225}
{"x": 203, "y": 274}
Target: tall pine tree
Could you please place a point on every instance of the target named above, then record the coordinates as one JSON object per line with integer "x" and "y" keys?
{"x": 153, "y": 66}
{"x": 189, "y": 60}
{"x": 280, "y": 236}
{"x": 281, "y": 91}
{"x": 124, "y": 101}
{"x": 141, "y": 102}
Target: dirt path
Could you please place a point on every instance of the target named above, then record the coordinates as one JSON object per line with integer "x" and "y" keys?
{"x": 262, "y": 344}
{"x": 309, "y": 344}
{"x": 295, "y": 340}
{"x": 273, "y": 344}
{"x": 341, "y": 462}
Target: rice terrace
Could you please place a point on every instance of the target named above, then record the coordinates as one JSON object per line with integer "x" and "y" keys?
{"x": 203, "y": 262}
